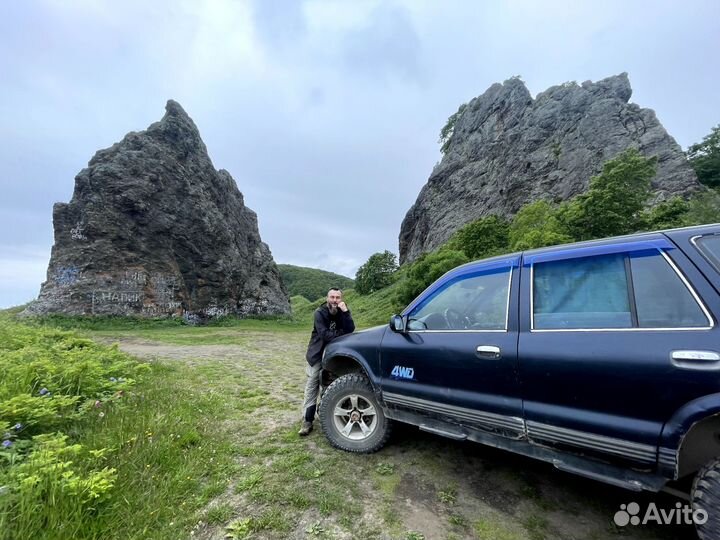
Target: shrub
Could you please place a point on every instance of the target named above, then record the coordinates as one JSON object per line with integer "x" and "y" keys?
{"x": 376, "y": 273}
{"x": 426, "y": 269}
{"x": 482, "y": 238}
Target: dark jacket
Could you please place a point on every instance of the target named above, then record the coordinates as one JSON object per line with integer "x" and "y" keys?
{"x": 326, "y": 328}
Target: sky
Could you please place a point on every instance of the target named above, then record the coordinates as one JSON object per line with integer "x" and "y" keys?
{"x": 326, "y": 113}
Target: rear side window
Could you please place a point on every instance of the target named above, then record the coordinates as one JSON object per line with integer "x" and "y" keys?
{"x": 622, "y": 290}
{"x": 709, "y": 246}
{"x": 662, "y": 299}
{"x": 587, "y": 292}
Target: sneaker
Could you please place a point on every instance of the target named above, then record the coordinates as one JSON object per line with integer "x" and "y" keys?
{"x": 305, "y": 429}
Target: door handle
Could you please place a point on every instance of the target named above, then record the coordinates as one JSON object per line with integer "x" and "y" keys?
{"x": 488, "y": 351}
{"x": 702, "y": 360}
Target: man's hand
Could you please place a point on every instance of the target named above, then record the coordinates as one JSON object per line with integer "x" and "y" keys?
{"x": 342, "y": 306}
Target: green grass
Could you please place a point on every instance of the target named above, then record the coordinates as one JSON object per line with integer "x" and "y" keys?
{"x": 163, "y": 438}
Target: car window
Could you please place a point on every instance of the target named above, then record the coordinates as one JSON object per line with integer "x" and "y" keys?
{"x": 473, "y": 302}
{"x": 597, "y": 293}
{"x": 584, "y": 292}
{"x": 709, "y": 246}
{"x": 662, "y": 299}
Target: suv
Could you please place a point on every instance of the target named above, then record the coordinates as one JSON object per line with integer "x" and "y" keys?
{"x": 600, "y": 357}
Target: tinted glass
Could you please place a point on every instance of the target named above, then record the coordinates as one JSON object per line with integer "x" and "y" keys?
{"x": 585, "y": 292}
{"x": 474, "y": 302}
{"x": 662, "y": 299}
{"x": 710, "y": 247}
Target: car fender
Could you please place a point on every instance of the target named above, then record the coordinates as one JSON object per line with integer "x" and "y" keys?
{"x": 679, "y": 425}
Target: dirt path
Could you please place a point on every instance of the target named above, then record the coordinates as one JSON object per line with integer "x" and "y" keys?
{"x": 419, "y": 486}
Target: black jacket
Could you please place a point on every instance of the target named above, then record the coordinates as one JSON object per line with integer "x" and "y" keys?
{"x": 326, "y": 328}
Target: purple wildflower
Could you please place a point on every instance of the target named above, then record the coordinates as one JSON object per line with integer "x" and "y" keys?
{"x": 43, "y": 391}
{"x": 7, "y": 444}
{"x": 18, "y": 426}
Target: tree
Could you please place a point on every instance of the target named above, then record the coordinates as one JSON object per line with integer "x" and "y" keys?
{"x": 426, "y": 269}
{"x": 614, "y": 202}
{"x": 482, "y": 238}
{"x": 448, "y": 129}
{"x": 537, "y": 225}
{"x": 666, "y": 215}
{"x": 704, "y": 157}
{"x": 703, "y": 208}
{"x": 376, "y": 273}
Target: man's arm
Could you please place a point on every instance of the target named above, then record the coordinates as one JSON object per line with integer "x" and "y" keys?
{"x": 348, "y": 323}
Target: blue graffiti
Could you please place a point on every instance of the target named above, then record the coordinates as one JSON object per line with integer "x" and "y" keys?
{"x": 67, "y": 275}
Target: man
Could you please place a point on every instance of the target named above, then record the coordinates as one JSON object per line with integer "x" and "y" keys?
{"x": 332, "y": 319}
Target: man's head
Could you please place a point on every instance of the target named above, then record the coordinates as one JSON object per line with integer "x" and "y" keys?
{"x": 334, "y": 297}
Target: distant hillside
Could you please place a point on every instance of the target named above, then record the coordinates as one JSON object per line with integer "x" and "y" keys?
{"x": 312, "y": 283}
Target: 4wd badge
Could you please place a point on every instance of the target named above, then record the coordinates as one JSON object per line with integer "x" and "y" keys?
{"x": 400, "y": 372}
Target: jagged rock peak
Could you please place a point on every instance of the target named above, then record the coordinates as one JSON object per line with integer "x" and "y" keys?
{"x": 508, "y": 149}
{"x": 154, "y": 230}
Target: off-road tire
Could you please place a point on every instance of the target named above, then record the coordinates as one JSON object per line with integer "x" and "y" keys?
{"x": 705, "y": 495}
{"x": 339, "y": 392}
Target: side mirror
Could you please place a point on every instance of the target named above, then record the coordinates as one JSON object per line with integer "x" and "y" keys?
{"x": 397, "y": 323}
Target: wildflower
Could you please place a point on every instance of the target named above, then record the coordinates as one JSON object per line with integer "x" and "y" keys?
{"x": 43, "y": 391}
{"x": 98, "y": 403}
{"x": 113, "y": 379}
{"x": 7, "y": 444}
{"x": 101, "y": 415}
{"x": 18, "y": 426}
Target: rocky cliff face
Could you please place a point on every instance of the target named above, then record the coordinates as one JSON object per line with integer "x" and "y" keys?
{"x": 508, "y": 149}
{"x": 154, "y": 230}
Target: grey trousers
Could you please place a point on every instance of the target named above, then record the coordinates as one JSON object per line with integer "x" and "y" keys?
{"x": 312, "y": 391}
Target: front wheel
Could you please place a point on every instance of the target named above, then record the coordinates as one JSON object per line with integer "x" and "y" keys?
{"x": 706, "y": 498}
{"x": 351, "y": 416}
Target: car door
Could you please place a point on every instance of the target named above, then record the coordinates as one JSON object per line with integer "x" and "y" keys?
{"x": 608, "y": 341}
{"x": 457, "y": 360}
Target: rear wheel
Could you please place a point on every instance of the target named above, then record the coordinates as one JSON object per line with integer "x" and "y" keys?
{"x": 706, "y": 500}
{"x": 351, "y": 416}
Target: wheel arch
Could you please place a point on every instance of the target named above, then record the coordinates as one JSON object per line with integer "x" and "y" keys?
{"x": 343, "y": 363}
{"x": 676, "y": 434}
{"x": 699, "y": 446}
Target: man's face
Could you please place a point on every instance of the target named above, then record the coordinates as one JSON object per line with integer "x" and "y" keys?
{"x": 333, "y": 299}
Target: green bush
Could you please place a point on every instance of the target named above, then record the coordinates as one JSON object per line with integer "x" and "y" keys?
{"x": 50, "y": 380}
{"x": 614, "y": 203}
{"x": 482, "y": 238}
{"x": 704, "y": 157}
{"x": 376, "y": 273}
{"x": 426, "y": 269}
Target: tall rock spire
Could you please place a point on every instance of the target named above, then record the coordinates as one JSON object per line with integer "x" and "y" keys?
{"x": 154, "y": 230}
{"x": 508, "y": 149}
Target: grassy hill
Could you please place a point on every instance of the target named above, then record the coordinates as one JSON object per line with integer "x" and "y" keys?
{"x": 311, "y": 283}
{"x": 368, "y": 310}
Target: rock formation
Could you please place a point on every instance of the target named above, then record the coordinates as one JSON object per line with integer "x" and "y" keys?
{"x": 154, "y": 230}
{"x": 508, "y": 149}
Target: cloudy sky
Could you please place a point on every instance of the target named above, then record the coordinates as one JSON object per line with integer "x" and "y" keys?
{"x": 325, "y": 112}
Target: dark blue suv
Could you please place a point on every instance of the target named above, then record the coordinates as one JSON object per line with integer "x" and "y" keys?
{"x": 601, "y": 357}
